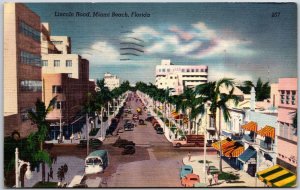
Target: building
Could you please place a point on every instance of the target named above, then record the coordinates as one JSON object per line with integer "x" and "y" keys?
{"x": 287, "y": 138}
{"x": 66, "y": 76}
{"x": 176, "y": 77}
{"x": 22, "y": 67}
{"x": 111, "y": 81}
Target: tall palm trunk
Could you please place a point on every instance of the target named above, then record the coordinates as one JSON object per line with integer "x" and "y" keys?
{"x": 219, "y": 135}
{"x": 43, "y": 165}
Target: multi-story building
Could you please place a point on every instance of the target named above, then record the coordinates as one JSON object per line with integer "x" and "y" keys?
{"x": 66, "y": 76}
{"x": 287, "y": 138}
{"x": 111, "y": 81}
{"x": 176, "y": 77}
{"x": 22, "y": 67}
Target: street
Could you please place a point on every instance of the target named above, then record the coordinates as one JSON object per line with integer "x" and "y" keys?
{"x": 156, "y": 163}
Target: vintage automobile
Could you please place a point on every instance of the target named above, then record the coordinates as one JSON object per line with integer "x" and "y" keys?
{"x": 190, "y": 180}
{"x": 185, "y": 170}
{"x": 128, "y": 149}
{"x": 159, "y": 130}
{"x": 141, "y": 122}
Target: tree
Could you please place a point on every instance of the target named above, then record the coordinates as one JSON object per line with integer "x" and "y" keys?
{"x": 262, "y": 89}
{"x": 211, "y": 92}
{"x": 35, "y": 141}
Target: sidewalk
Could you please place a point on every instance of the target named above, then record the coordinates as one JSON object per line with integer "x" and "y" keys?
{"x": 245, "y": 179}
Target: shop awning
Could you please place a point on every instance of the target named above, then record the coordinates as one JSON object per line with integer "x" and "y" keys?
{"x": 267, "y": 131}
{"x": 224, "y": 143}
{"x": 277, "y": 176}
{"x": 235, "y": 151}
{"x": 251, "y": 126}
{"x": 247, "y": 154}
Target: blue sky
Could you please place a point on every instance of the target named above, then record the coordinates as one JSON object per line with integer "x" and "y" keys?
{"x": 256, "y": 44}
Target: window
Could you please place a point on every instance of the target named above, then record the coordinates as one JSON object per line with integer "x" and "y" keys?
{"x": 31, "y": 86}
{"x": 193, "y": 70}
{"x": 29, "y": 58}
{"x": 282, "y": 94}
{"x": 287, "y": 97}
{"x": 159, "y": 70}
{"x": 57, "y": 42}
{"x": 175, "y": 77}
{"x": 70, "y": 75}
{"x": 197, "y": 70}
{"x": 29, "y": 31}
{"x": 171, "y": 77}
{"x": 68, "y": 63}
{"x": 56, "y": 63}
{"x": 188, "y": 70}
{"x": 293, "y": 97}
{"x": 182, "y": 70}
{"x": 44, "y": 63}
{"x": 202, "y": 70}
{"x": 56, "y": 89}
{"x": 163, "y": 70}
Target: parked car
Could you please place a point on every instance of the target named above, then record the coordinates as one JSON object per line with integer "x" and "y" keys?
{"x": 128, "y": 149}
{"x": 149, "y": 118}
{"x": 119, "y": 141}
{"x": 159, "y": 130}
{"x": 125, "y": 143}
{"x": 185, "y": 170}
{"x": 190, "y": 180}
{"x": 128, "y": 126}
{"x": 156, "y": 125}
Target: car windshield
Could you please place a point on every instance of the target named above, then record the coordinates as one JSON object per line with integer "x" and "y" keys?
{"x": 187, "y": 169}
{"x": 93, "y": 161}
{"x": 194, "y": 179}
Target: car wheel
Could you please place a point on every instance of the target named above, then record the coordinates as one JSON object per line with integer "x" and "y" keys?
{"x": 178, "y": 145}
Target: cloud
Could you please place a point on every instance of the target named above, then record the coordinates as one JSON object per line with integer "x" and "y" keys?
{"x": 101, "y": 52}
{"x": 197, "y": 42}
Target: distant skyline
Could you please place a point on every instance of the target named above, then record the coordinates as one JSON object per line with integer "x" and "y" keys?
{"x": 239, "y": 40}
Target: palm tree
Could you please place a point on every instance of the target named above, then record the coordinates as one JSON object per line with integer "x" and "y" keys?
{"x": 210, "y": 92}
{"x": 262, "y": 89}
{"x": 38, "y": 117}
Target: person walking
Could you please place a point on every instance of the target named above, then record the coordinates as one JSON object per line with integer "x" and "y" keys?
{"x": 51, "y": 173}
{"x": 189, "y": 156}
{"x": 210, "y": 178}
{"x": 216, "y": 177}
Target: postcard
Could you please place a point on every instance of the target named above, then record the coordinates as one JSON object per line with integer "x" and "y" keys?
{"x": 173, "y": 94}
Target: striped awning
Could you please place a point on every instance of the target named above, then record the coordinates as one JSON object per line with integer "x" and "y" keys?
{"x": 267, "y": 131}
{"x": 230, "y": 148}
{"x": 225, "y": 143}
{"x": 277, "y": 176}
{"x": 251, "y": 126}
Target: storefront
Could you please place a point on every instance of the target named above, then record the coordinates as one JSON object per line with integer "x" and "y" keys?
{"x": 248, "y": 161}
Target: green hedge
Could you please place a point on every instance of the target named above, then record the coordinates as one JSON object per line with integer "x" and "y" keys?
{"x": 226, "y": 176}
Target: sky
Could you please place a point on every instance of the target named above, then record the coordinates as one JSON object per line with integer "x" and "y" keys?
{"x": 243, "y": 41}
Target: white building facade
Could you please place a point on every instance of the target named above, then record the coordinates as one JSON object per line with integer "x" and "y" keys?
{"x": 111, "y": 81}
{"x": 176, "y": 77}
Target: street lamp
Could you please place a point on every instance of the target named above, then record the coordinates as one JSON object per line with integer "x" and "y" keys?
{"x": 18, "y": 164}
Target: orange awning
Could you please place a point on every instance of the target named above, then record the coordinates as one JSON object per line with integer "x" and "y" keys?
{"x": 267, "y": 131}
{"x": 226, "y": 143}
{"x": 234, "y": 151}
{"x": 251, "y": 126}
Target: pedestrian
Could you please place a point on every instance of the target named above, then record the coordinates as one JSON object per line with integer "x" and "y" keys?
{"x": 65, "y": 168}
{"x": 189, "y": 156}
{"x": 72, "y": 137}
{"x": 216, "y": 177}
{"x": 210, "y": 178}
{"x": 55, "y": 158}
{"x": 51, "y": 172}
{"x": 48, "y": 176}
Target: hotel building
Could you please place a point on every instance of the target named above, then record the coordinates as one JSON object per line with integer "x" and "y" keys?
{"x": 176, "y": 77}
{"x": 111, "y": 81}
{"x": 22, "y": 67}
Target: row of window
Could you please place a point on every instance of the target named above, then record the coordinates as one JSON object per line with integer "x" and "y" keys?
{"x": 287, "y": 131}
{"x": 57, "y": 42}
{"x": 29, "y": 58}
{"x": 184, "y": 70}
{"x": 57, "y": 89}
{"x": 194, "y": 76}
{"x": 31, "y": 86}
{"x": 288, "y": 97}
{"x": 57, "y": 63}
{"x": 29, "y": 31}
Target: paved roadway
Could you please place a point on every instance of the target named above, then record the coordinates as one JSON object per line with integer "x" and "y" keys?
{"x": 156, "y": 162}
